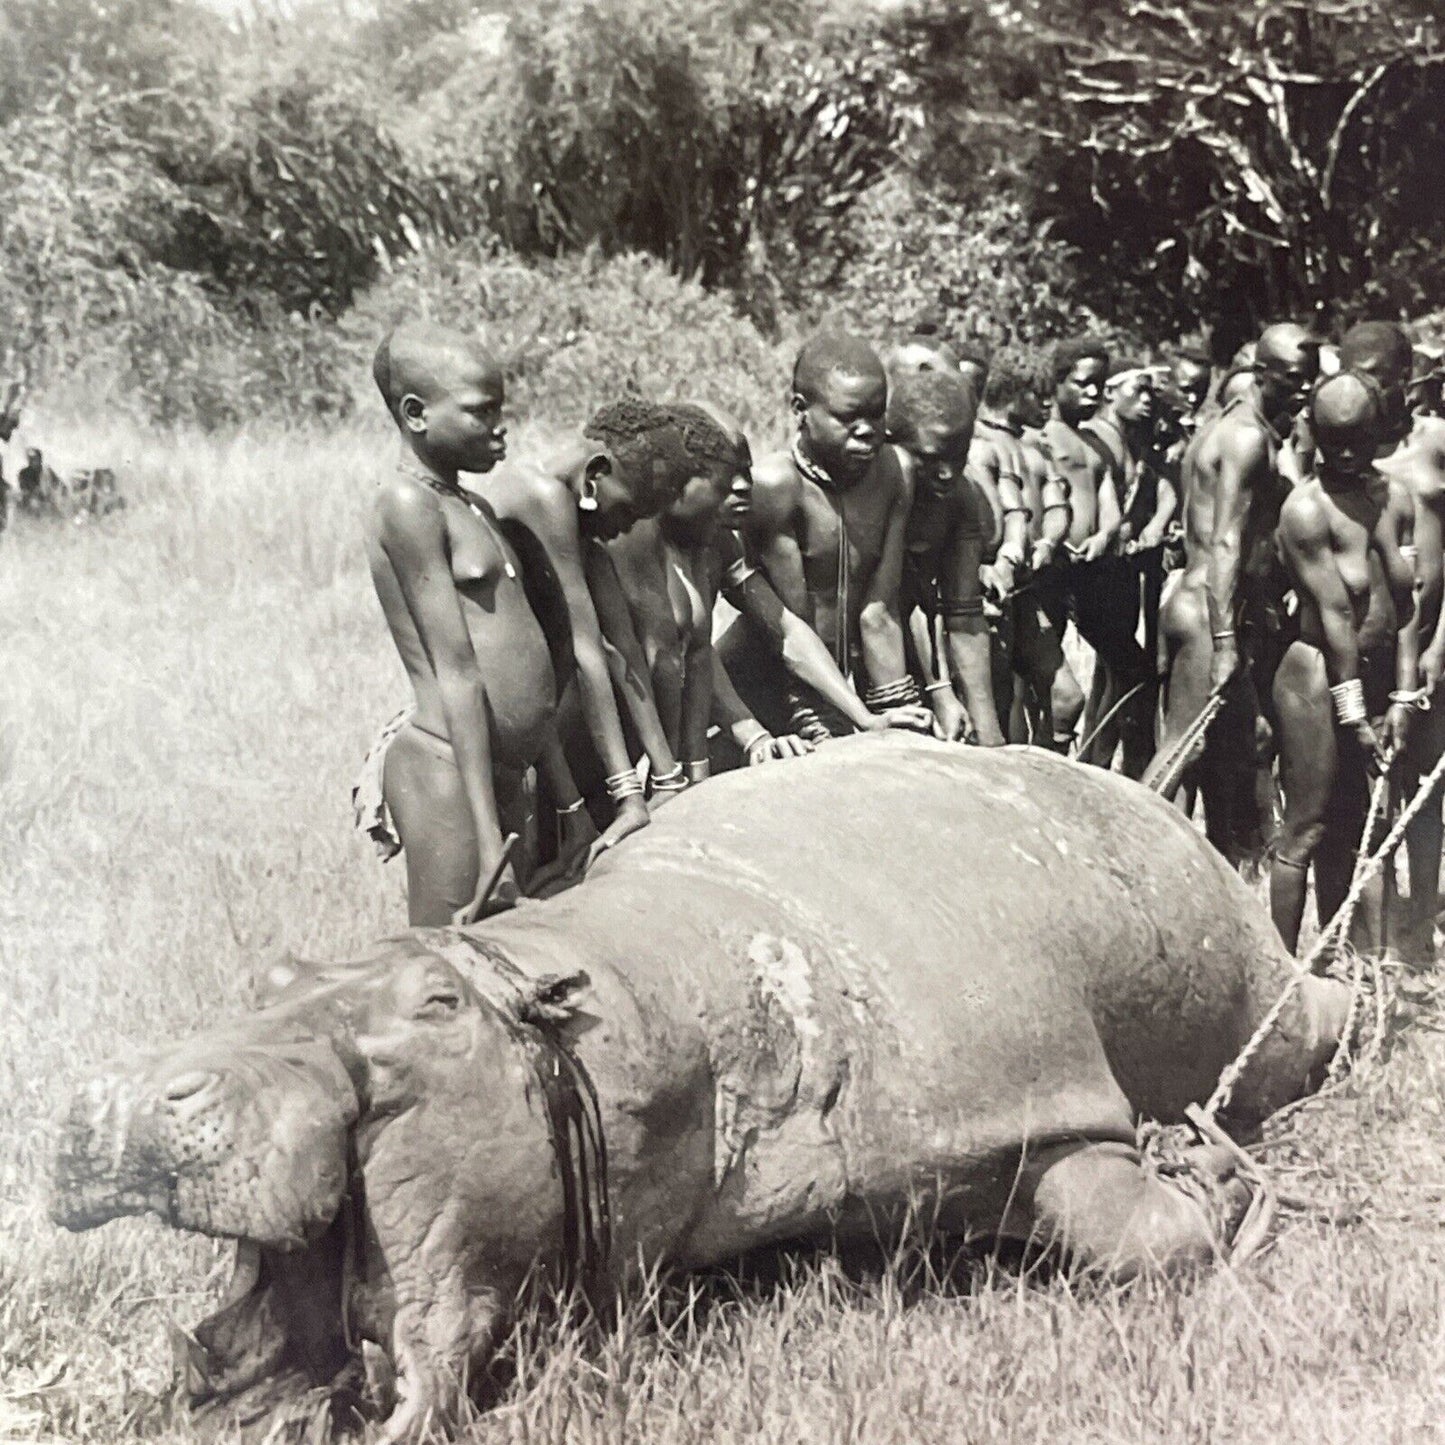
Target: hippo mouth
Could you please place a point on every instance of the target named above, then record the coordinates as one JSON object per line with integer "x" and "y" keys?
{"x": 278, "y": 1336}
{"x": 253, "y": 1145}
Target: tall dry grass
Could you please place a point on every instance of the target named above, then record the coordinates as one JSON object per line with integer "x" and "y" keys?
{"x": 184, "y": 693}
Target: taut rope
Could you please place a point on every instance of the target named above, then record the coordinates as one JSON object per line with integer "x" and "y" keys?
{"x": 1365, "y": 872}
{"x": 1164, "y": 774}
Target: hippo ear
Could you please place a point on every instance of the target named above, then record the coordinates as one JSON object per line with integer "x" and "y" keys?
{"x": 552, "y": 997}
{"x": 281, "y": 975}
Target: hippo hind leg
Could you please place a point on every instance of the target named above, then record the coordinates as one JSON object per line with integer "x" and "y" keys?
{"x": 1109, "y": 1215}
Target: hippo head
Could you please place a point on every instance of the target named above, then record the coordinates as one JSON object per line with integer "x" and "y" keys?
{"x": 377, "y": 1141}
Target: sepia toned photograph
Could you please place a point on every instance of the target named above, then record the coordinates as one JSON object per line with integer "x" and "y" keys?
{"x": 718, "y": 722}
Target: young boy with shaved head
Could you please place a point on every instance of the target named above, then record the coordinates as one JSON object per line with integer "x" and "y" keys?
{"x": 450, "y": 586}
{"x": 1224, "y": 624}
{"x": 826, "y": 527}
{"x": 1341, "y": 536}
{"x": 1412, "y": 453}
{"x": 487, "y": 598}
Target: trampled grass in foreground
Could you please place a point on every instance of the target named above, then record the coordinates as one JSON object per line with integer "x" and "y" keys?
{"x": 184, "y": 693}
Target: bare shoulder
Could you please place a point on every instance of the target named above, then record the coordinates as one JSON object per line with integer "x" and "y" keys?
{"x": 1243, "y": 444}
{"x": 1304, "y": 514}
{"x": 404, "y": 507}
{"x": 1401, "y": 498}
{"x": 982, "y": 454}
{"x": 1429, "y": 439}
{"x": 527, "y": 493}
{"x": 895, "y": 468}
{"x": 777, "y": 492}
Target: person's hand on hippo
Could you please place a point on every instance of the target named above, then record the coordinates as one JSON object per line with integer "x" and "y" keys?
{"x": 632, "y": 817}
{"x": 950, "y": 721}
{"x": 765, "y": 748}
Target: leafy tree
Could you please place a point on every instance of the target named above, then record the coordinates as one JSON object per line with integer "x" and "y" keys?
{"x": 1283, "y": 155}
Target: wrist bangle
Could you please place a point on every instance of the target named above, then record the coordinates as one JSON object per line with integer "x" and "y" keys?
{"x": 1223, "y": 636}
{"x": 700, "y": 770}
{"x": 892, "y": 694}
{"x": 1418, "y": 698}
{"x": 661, "y": 780}
{"x": 572, "y": 808}
{"x": 939, "y": 686}
{"x": 755, "y": 739}
{"x": 1349, "y": 699}
{"x": 621, "y": 786}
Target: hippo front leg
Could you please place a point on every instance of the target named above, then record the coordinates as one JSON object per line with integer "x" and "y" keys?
{"x": 443, "y": 1330}
{"x": 1099, "y": 1204}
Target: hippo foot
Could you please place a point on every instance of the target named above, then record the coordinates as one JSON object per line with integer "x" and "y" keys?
{"x": 1111, "y": 1216}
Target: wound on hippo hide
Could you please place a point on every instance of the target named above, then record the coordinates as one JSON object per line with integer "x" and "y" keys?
{"x": 549, "y": 999}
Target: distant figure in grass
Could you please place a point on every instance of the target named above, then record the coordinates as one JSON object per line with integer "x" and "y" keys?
{"x": 39, "y": 487}
{"x": 449, "y": 573}
{"x": 826, "y": 527}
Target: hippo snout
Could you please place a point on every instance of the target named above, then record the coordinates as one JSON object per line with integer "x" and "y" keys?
{"x": 249, "y": 1143}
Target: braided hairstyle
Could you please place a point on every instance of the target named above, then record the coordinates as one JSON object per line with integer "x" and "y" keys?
{"x": 659, "y": 446}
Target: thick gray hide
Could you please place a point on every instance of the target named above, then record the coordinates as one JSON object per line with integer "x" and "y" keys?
{"x": 823, "y": 990}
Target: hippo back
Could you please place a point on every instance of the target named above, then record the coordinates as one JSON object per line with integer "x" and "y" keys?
{"x": 896, "y": 961}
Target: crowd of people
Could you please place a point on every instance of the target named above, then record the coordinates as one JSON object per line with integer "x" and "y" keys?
{"x": 1253, "y": 559}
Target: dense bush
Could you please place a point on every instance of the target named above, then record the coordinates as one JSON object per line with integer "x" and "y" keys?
{"x": 189, "y": 203}
{"x": 985, "y": 273}
{"x": 579, "y": 329}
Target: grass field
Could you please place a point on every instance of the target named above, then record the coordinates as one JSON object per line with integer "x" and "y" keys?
{"x": 184, "y": 693}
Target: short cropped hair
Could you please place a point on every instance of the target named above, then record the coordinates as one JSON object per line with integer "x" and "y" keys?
{"x": 1068, "y": 354}
{"x": 1383, "y": 342}
{"x": 1005, "y": 387}
{"x": 661, "y": 444}
{"x": 833, "y": 353}
{"x": 929, "y": 398}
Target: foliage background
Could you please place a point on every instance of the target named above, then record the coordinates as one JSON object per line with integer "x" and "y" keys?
{"x": 202, "y": 213}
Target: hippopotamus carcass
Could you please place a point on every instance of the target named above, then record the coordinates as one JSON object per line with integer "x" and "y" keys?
{"x": 807, "y": 999}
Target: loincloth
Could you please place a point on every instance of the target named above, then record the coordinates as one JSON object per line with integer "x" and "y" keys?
{"x": 368, "y": 799}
